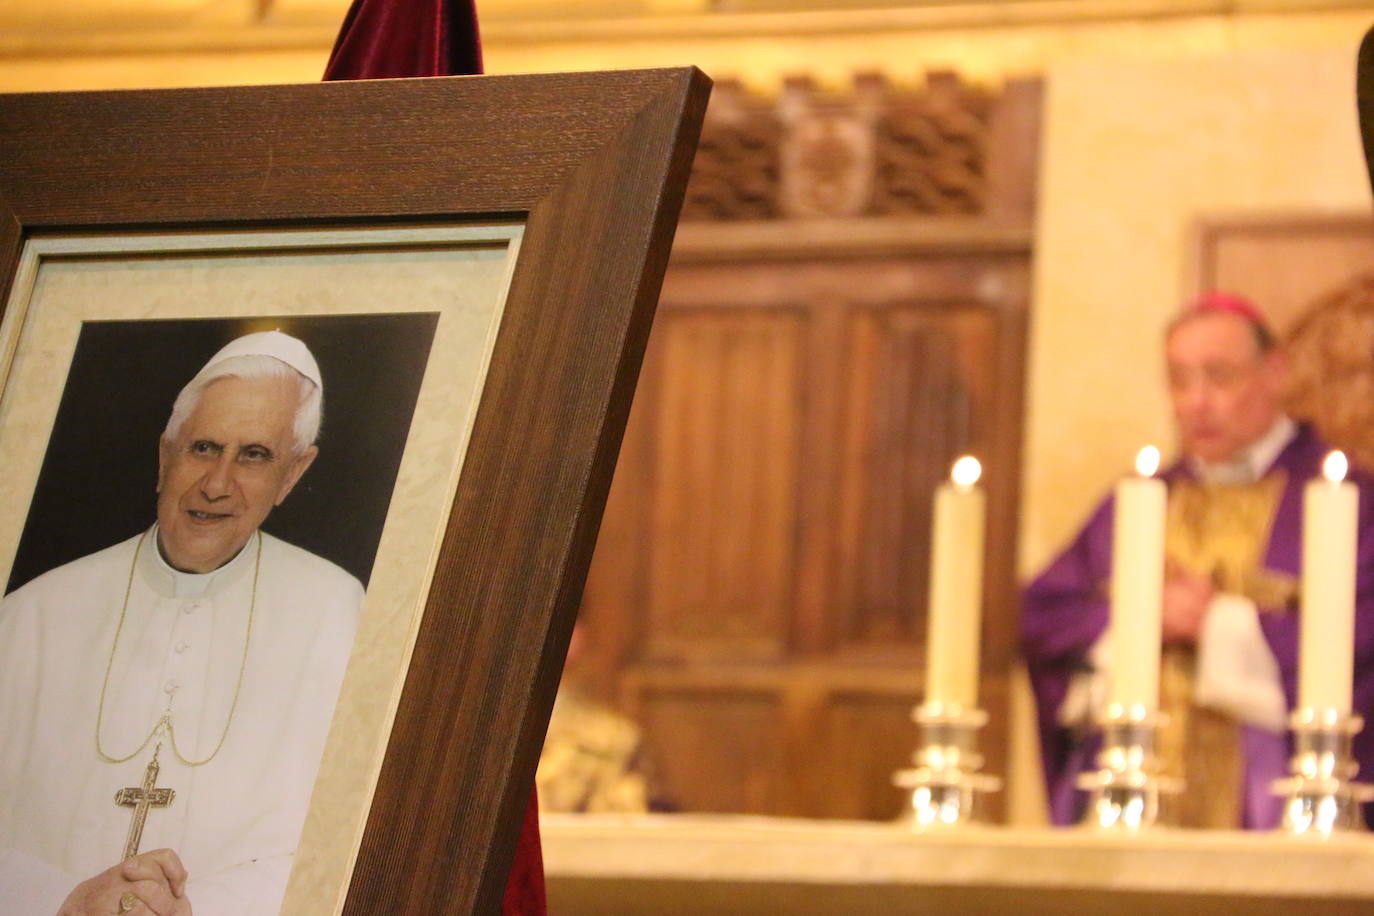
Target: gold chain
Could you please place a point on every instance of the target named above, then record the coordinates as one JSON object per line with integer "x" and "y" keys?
{"x": 166, "y": 721}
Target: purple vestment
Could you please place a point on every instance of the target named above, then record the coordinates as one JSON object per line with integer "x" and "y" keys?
{"x": 1064, "y": 611}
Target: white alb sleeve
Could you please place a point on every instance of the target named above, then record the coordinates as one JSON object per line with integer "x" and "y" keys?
{"x": 1236, "y": 672}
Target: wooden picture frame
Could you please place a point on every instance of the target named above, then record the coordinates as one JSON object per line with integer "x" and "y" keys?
{"x": 594, "y": 167}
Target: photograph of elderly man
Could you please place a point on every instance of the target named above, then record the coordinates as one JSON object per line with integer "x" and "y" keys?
{"x": 165, "y": 700}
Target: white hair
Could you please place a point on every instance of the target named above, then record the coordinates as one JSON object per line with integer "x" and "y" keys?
{"x": 309, "y": 409}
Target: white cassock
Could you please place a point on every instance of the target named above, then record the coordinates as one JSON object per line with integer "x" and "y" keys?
{"x": 236, "y": 820}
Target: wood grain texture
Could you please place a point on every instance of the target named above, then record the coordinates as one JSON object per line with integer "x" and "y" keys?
{"x": 598, "y": 161}
{"x": 11, "y": 236}
{"x": 709, "y": 729}
{"x": 773, "y": 518}
{"x": 436, "y": 146}
{"x": 728, "y": 424}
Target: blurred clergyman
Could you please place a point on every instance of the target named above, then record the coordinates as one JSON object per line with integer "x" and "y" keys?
{"x": 180, "y": 683}
{"x": 1230, "y": 613}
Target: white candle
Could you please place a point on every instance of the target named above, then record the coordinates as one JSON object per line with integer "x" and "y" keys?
{"x": 956, "y": 588}
{"x": 1137, "y": 589}
{"x": 1330, "y": 510}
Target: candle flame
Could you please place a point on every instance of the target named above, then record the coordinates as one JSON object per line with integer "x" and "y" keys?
{"x": 1335, "y": 466}
{"x": 1147, "y": 461}
{"x": 966, "y": 472}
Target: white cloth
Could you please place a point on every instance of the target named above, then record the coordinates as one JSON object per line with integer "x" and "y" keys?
{"x": 279, "y": 346}
{"x": 236, "y": 820}
{"x": 1236, "y": 671}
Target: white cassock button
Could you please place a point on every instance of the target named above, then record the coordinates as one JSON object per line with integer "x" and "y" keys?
{"x": 191, "y": 608}
{"x": 170, "y": 687}
{"x": 182, "y": 646}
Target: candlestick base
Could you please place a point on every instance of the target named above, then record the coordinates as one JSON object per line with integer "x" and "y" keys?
{"x": 1124, "y": 792}
{"x": 1322, "y": 797}
{"x": 945, "y": 783}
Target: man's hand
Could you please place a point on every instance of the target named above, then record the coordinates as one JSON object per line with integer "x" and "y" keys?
{"x": 1186, "y": 598}
{"x": 157, "y": 878}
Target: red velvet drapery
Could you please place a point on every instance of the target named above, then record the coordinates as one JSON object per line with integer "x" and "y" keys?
{"x": 383, "y": 39}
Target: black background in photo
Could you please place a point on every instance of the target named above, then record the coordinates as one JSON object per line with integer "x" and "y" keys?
{"x": 98, "y": 482}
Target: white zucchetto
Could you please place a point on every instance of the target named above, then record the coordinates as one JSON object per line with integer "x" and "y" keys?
{"x": 275, "y": 344}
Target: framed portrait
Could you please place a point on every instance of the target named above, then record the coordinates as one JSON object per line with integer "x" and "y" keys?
{"x": 471, "y": 265}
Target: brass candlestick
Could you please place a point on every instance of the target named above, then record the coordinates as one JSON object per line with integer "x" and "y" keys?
{"x": 1322, "y": 796}
{"x": 945, "y": 783}
{"x": 1124, "y": 792}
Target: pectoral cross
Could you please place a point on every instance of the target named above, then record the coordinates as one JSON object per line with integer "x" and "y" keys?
{"x": 141, "y": 799}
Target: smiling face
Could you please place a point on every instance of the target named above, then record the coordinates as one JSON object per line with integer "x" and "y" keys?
{"x": 232, "y": 461}
{"x": 1226, "y": 392}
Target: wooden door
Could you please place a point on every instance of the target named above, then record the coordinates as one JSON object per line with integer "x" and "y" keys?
{"x": 757, "y": 599}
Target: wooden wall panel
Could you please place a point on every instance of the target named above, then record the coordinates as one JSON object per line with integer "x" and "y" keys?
{"x": 763, "y": 566}
{"x": 725, "y": 469}
{"x": 877, "y": 736}
{"x": 915, "y": 401}
{"x": 699, "y": 737}
{"x": 775, "y": 492}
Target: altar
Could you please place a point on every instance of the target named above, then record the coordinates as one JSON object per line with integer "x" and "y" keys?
{"x": 712, "y": 865}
